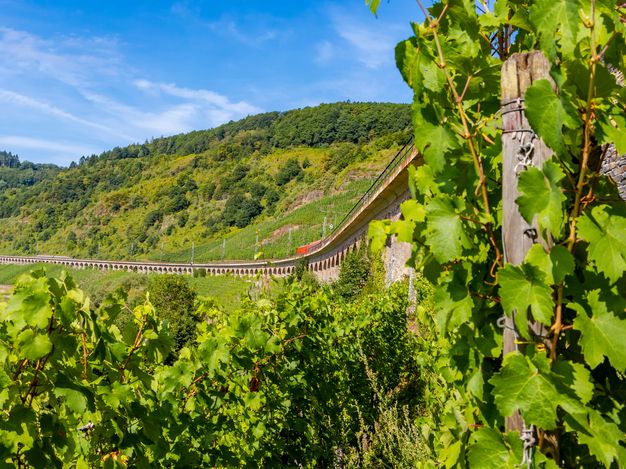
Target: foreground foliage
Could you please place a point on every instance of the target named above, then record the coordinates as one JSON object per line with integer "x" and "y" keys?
{"x": 567, "y": 382}
{"x": 276, "y": 383}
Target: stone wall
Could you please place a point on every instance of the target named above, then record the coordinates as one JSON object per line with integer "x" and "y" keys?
{"x": 614, "y": 165}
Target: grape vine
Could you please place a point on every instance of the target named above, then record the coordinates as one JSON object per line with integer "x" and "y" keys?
{"x": 277, "y": 383}
{"x": 568, "y": 385}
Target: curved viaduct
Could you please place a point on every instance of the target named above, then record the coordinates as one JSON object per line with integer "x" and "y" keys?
{"x": 324, "y": 257}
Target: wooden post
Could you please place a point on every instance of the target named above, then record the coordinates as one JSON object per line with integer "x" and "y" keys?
{"x": 520, "y": 149}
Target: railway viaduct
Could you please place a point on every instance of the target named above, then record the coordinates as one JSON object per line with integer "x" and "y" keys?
{"x": 381, "y": 201}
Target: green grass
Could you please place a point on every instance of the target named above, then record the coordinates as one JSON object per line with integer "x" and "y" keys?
{"x": 306, "y": 222}
{"x": 227, "y": 290}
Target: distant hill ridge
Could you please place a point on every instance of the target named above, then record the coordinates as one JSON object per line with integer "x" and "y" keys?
{"x": 310, "y": 126}
{"x": 219, "y": 189}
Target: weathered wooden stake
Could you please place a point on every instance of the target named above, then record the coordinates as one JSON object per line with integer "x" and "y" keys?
{"x": 521, "y": 148}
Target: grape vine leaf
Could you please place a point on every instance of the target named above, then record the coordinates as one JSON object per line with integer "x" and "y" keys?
{"x": 487, "y": 450}
{"x": 541, "y": 195}
{"x": 453, "y": 301}
{"x": 547, "y": 113}
{"x": 434, "y": 141}
{"x": 603, "y": 228}
{"x": 377, "y": 235}
{"x": 602, "y": 333}
{"x": 613, "y": 131}
{"x": 75, "y": 400}
{"x": 602, "y": 437}
{"x": 214, "y": 352}
{"x": 33, "y": 346}
{"x": 447, "y": 235}
{"x": 556, "y": 19}
{"x": 373, "y": 4}
{"x": 556, "y": 264}
{"x": 530, "y": 388}
{"x": 562, "y": 263}
{"x": 523, "y": 287}
{"x": 29, "y": 307}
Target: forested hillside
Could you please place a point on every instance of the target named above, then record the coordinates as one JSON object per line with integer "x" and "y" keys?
{"x": 237, "y": 182}
{"x": 19, "y": 174}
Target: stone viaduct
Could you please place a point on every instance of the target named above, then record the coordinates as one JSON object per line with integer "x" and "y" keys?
{"x": 323, "y": 257}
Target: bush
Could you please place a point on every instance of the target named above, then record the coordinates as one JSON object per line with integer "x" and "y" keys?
{"x": 156, "y": 216}
{"x": 240, "y": 210}
{"x": 354, "y": 274}
{"x": 201, "y": 272}
{"x": 182, "y": 219}
{"x": 174, "y": 301}
{"x": 290, "y": 170}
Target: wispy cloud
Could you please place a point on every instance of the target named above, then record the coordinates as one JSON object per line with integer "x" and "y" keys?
{"x": 22, "y": 142}
{"x": 324, "y": 52}
{"x": 370, "y": 46}
{"x": 8, "y": 96}
{"x": 69, "y": 59}
{"x": 252, "y": 32}
{"x": 230, "y": 28}
{"x": 87, "y": 83}
{"x": 208, "y": 97}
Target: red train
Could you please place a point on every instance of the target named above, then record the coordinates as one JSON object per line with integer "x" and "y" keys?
{"x": 307, "y": 248}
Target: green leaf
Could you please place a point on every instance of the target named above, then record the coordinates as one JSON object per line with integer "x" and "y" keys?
{"x": 613, "y": 131}
{"x": 433, "y": 142}
{"x": 407, "y": 58}
{"x": 214, "y": 351}
{"x": 578, "y": 378}
{"x": 33, "y": 346}
{"x": 541, "y": 195}
{"x": 373, "y": 4}
{"x": 31, "y": 308}
{"x": 487, "y": 450}
{"x": 601, "y": 333}
{"x": 521, "y": 385}
{"x": 556, "y": 265}
{"x": 562, "y": 263}
{"x": 556, "y": 20}
{"x": 453, "y": 302}
{"x": 603, "y": 439}
{"x": 446, "y": 231}
{"x": 377, "y": 235}
{"x": 547, "y": 113}
{"x": 75, "y": 400}
{"x": 603, "y": 228}
{"x": 523, "y": 287}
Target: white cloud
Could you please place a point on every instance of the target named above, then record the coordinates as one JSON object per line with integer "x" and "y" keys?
{"x": 30, "y": 143}
{"x": 206, "y": 104}
{"x": 8, "y": 96}
{"x": 87, "y": 83}
{"x": 371, "y": 47}
{"x": 69, "y": 59}
{"x": 324, "y": 52}
{"x": 228, "y": 27}
{"x": 199, "y": 95}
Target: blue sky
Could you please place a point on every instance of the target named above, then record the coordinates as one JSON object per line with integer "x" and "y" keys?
{"x": 79, "y": 77}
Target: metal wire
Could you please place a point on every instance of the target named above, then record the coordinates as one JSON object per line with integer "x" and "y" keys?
{"x": 378, "y": 182}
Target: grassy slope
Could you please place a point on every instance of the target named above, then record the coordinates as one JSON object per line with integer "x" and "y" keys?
{"x": 227, "y": 290}
{"x": 336, "y": 192}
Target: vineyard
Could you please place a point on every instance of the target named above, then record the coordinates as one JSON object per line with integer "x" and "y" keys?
{"x": 505, "y": 351}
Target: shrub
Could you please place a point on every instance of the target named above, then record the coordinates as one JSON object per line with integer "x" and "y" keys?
{"x": 290, "y": 170}
{"x": 174, "y": 301}
{"x": 155, "y": 216}
{"x": 353, "y": 274}
{"x": 240, "y": 210}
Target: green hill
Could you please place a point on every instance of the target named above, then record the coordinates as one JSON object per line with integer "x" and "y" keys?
{"x": 272, "y": 177}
